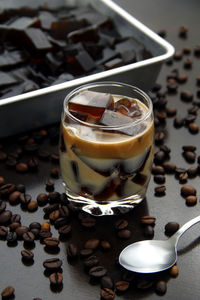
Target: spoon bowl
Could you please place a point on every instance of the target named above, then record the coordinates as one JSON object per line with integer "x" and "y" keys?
{"x": 152, "y": 256}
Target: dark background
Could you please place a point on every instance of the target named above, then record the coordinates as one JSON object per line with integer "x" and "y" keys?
{"x": 30, "y": 281}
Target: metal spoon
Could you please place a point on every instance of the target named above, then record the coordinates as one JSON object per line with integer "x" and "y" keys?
{"x": 152, "y": 256}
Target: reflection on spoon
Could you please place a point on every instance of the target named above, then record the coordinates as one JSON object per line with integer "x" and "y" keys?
{"x": 152, "y": 256}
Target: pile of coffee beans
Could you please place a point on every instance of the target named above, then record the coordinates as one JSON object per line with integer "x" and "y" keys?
{"x": 93, "y": 243}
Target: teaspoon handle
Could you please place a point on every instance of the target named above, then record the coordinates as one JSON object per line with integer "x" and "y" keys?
{"x": 175, "y": 237}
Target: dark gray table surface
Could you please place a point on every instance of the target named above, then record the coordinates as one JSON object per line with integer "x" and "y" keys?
{"x": 30, "y": 281}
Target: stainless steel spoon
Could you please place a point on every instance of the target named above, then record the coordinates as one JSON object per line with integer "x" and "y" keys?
{"x": 152, "y": 256}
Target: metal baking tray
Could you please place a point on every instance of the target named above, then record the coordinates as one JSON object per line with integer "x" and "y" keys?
{"x": 42, "y": 107}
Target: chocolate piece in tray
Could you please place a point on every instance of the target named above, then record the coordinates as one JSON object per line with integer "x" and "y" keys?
{"x": 130, "y": 44}
{"x": 36, "y": 40}
{"x": 61, "y": 28}
{"x": 23, "y": 22}
{"x": 46, "y": 19}
{"x": 114, "y": 63}
{"x": 80, "y": 63}
{"x": 11, "y": 59}
{"x": 86, "y": 34}
{"x": 91, "y": 103}
{"x": 6, "y": 79}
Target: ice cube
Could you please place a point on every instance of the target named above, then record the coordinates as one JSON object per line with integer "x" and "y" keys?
{"x": 91, "y": 103}
{"x": 128, "y": 107}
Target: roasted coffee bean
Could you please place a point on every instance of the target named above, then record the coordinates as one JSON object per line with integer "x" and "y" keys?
{"x": 25, "y": 199}
{"x": 27, "y": 255}
{"x": 72, "y": 251}
{"x": 169, "y": 167}
{"x": 54, "y": 197}
{"x": 188, "y": 190}
{"x": 7, "y": 189}
{"x": 56, "y": 278}
{"x": 182, "y": 78}
{"x": 54, "y": 215}
{"x": 28, "y": 237}
{"x": 179, "y": 122}
{"x": 22, "y": 167}
{"x": 124, "y": 233}
{"x": 2, "y": 180}
{"x": 97, "y": 271}
{"x": 44, "y": 233}
{"x": 43, "y": 154}
{"x": 159, "y": 157}
{"x": 47, "y": 210}
{"x": 186, "y": 96}
{"x": 158, "y": 170}
{"x": 92, "y": 244}
{"x": 171, "y": 228}
{"x": 5, "y": 217}
{"x": 121, "y": 224}
{"x": 7, "y": 292}
{"x": 13, "y": 226}
{"x": 193, "y": 110}
{"x": 91, "y": 261}
{"x": 60, "y": 222}
{"x": 171, "y": 111}
{"x": 172, "y": 86}
{"x": 63, "y": 199}
{"x": 189, "y": 119}
{"x": 159, "y": 137}
{"x": 177, "y": 55}
{"x": 45, "y": 226}
{"x": 88, "y": 222}
{"x": 189, "y": 148}
{"x": 49, "y": 185}
{"x": 183, "y": 177}
{"x": 160, "y": 179}
{"x": 35, "y": 225}
{"x": 122, "y": 285}
{"x": 148, "y": 231}
{"x": 54, "y": 172}
{"x": 33, "y": 164}
{"x": 179, "y": 171}
{"x": 174, "y": 271}
{"x": 52, "y": 242}
{"x": 144, "y": 284}
{"x": 187, "y": 63}
{"x": 64, "y": 211}
{"x": 14, "y": 197}
{"x": 161, "y": 287}
{"x": 107, "y": 282}
{"x": 65, "y": 230}
{"x": 86, "y": 252}
{"x": 21, "y": 230}
{"x": 15, "y": 218}
{"x": 32, "y": 206}
{"x": 190, "y": 156}
{"x": 191, "y": 200}
{"x": 105, "y": 245}
{"x": 192, "y": 172}
{"x": 3, "y": 231}
{"x": 160, "y": 190}
{"x": 11, "y": 237}
{"x": 107, "y": 294}
{"x": 3, "y": 156}
{"x": 42, "y": 199}
{"x": 2, "y": 206}
{"x": 183, "y": 30}
{"x": 52, "y": 263}
{"x": 193, "y": 127}
{"x": 148, "y": 220}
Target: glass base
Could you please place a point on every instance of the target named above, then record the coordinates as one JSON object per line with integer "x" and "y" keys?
{"x": 97, "y": 208}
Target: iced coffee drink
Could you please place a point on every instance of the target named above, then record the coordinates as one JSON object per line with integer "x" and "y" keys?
{"x": 106, "y": 146}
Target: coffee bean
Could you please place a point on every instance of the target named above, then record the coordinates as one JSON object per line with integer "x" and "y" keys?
{"x": 105, "y": 245}
{"x": 148, "y": 231}
{"x": 56, "y": 278}
{"x": 54, "y": 197}
{"x": 44, "y": 233}
{"x": 160, "y": 179}
{"x": 188, "y": 190}
{"x": 179, "y": 122}
{"x": 86, "y": 252}
{"x": 159, "y": 137}
{"x": 92, "y": 244}
{"x": 171, "y": 228}
{"x": 54, "y": 215}
{"x": 124, "y": 233}
{"x": 161, "y": 287}
{"x": 43, "y": 154}
{"x": 21, "y": 167}
{"x": 187, "y": 63}
{"x": 174, "y": 271}
{"x": 28, "y": 237}
{"x": 183, "y": 177}
{"x": 172, "y": 86}
{"x": 148, "y": 220}
{"x": 190, "y": 156}
{"x": 35, "y": 225}
{"x": 91, "y": 261}
{"x": 193, "y": 110}
{"x": 2, "y": 206}
{"x": 106, "y": 282}
{"x": 13, "y": 226}
{"x": 193, "y": 127}
{"x": 14, "y": 197}
{"x": 45, "y": 226}
{"x": 60, "y": 222}
{"x": 3, "y": 231}
{"x": 97, "y": 271}
{"x": 189, "y": 119}
{"x": 191, "y": 148}
{"x": 5, "y": 217}
{"x": 32, "y": 206}
{"x": 15, "y": 218}
{"x": 158, "y": 170}
{"x": 27, "y": 255}
{"x": 160, "y": 190}
{"x": 64, "y": 211}
{"x": 122, "y": 286}
{"x": 52, "y": 263}
{"x": 183, "y": 30}
{"x": 25, "y": 199}
{"x": 107, "y": 294}
{"x": 49, "y": 185}
{"x": 42, "y": 199}
{"x": 51, "y": 242}
{"x": 88, "y": 222}
{"x": 3, "y": 156}
{"x": 21, "y": 230}
{"x": 54, "y": 172}
{"x": 159, "y": 157}
{"x": 65, "y": 230}
{"x": 11, "y": 237}
{"x": 2, "y": 180}
{"x": 33, "y": 164}
{"x": 8, "y": 292}
{"x": 191, "y": 200}
{"x": 72, "y": 251}
{"x": 182, "y": 78}
{"x": 121, "y": 224}
{"x": 171, "y": 111}
{"x": 7, "y": 189}
{"x": 144, "y": 284}
{"x": 177, "y": 55}
{"x": 192, "y": 172}
{"x": 47, "y": 210}
{"x": 186, "y": 96}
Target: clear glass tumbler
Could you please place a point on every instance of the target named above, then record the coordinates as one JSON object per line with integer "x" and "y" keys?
{"x": 106, "y": 147}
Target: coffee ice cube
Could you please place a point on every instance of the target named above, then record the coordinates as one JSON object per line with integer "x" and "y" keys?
{"x": 128, "y": 107}
{"x": 92, "y": 103}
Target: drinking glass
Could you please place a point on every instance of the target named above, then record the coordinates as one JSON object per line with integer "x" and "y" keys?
{"x": 106, "y": 147}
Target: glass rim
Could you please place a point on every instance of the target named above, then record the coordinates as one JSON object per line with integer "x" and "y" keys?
{"x": 108, "y": 83}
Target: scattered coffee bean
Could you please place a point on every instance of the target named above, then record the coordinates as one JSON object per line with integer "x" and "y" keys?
{"x": 5, "y": 217}
{"x": 161, "y": 287}
{"x": 21, "y": 167}
{"x": 8, "y": 292}
{"x": 182, "y": 78}
{"x": 171, "y": 228}
{"x": 14, "y": 197}
{"x": 21, "y": 230}
{"x": 186, "y": 96}
{"x": 54, "y": 215}
{"x": 191, "y": 200}
{"x": 51, "y": 242}
{"x": 148, "y": 220}
{"x": 13, "y": 226}
{"x": 122, "y": 286}
{"x": 105, "y": 245}
{"x": 65, "y": 230}
{"x": 160, "y": 190}
{"x": 160, "y": 179}
{"x": 178, "y": 55}
{"x": 193, "y": 128}
{"x": 144, "y": 284}
{"x": 190, "y": 156}
{"x": 183, "y": 31}
{"x": 72, "y": 251}
{"x": 54, "y": 172}
{"x": 148, "y": 231}
{"x": 174, "y": 271}
{"x": 88, "y": 222}
{"x": 107, "y": 294}
{"x": 27, "y": 255}
{"x": 49, "y": 185}
{"x": 33, "y": 164}
{"x": 97, "y": 271}
{"x": 52, "y": 264}
{"x": 92, "y": 244}
{"x": 124, "y": 233}
{"x": 2, "y": 206}
{"x": 42, "y": 199}
{"x": 44, "y": 233}
{"x": 11, "y": 237}
{"x": 192, "y": 172}
{"x": 86, "y": 252}
{"x": 25, "y": 199}
{"x": 56, "y": 278}
{"x": 183, "y": 177}
{"x": 158, "y": 170}
{"x": 54, "y": 197}
{"x": 7, "y": 189}
{"x": 3, "y": 231}
{"x": 91, "y": 261}
{"x": 45, "y": 226}
{"x": 32, "y": 206}
{"x": 188, "y": 190}
{"x": 106, "y": 282}
{"x": 2, "y": 180}
{"x": 121, "y": 224}
{"x": 28, "y": 237}
{"x": 191, "y": 148}
{"x": 179, "y": 122}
